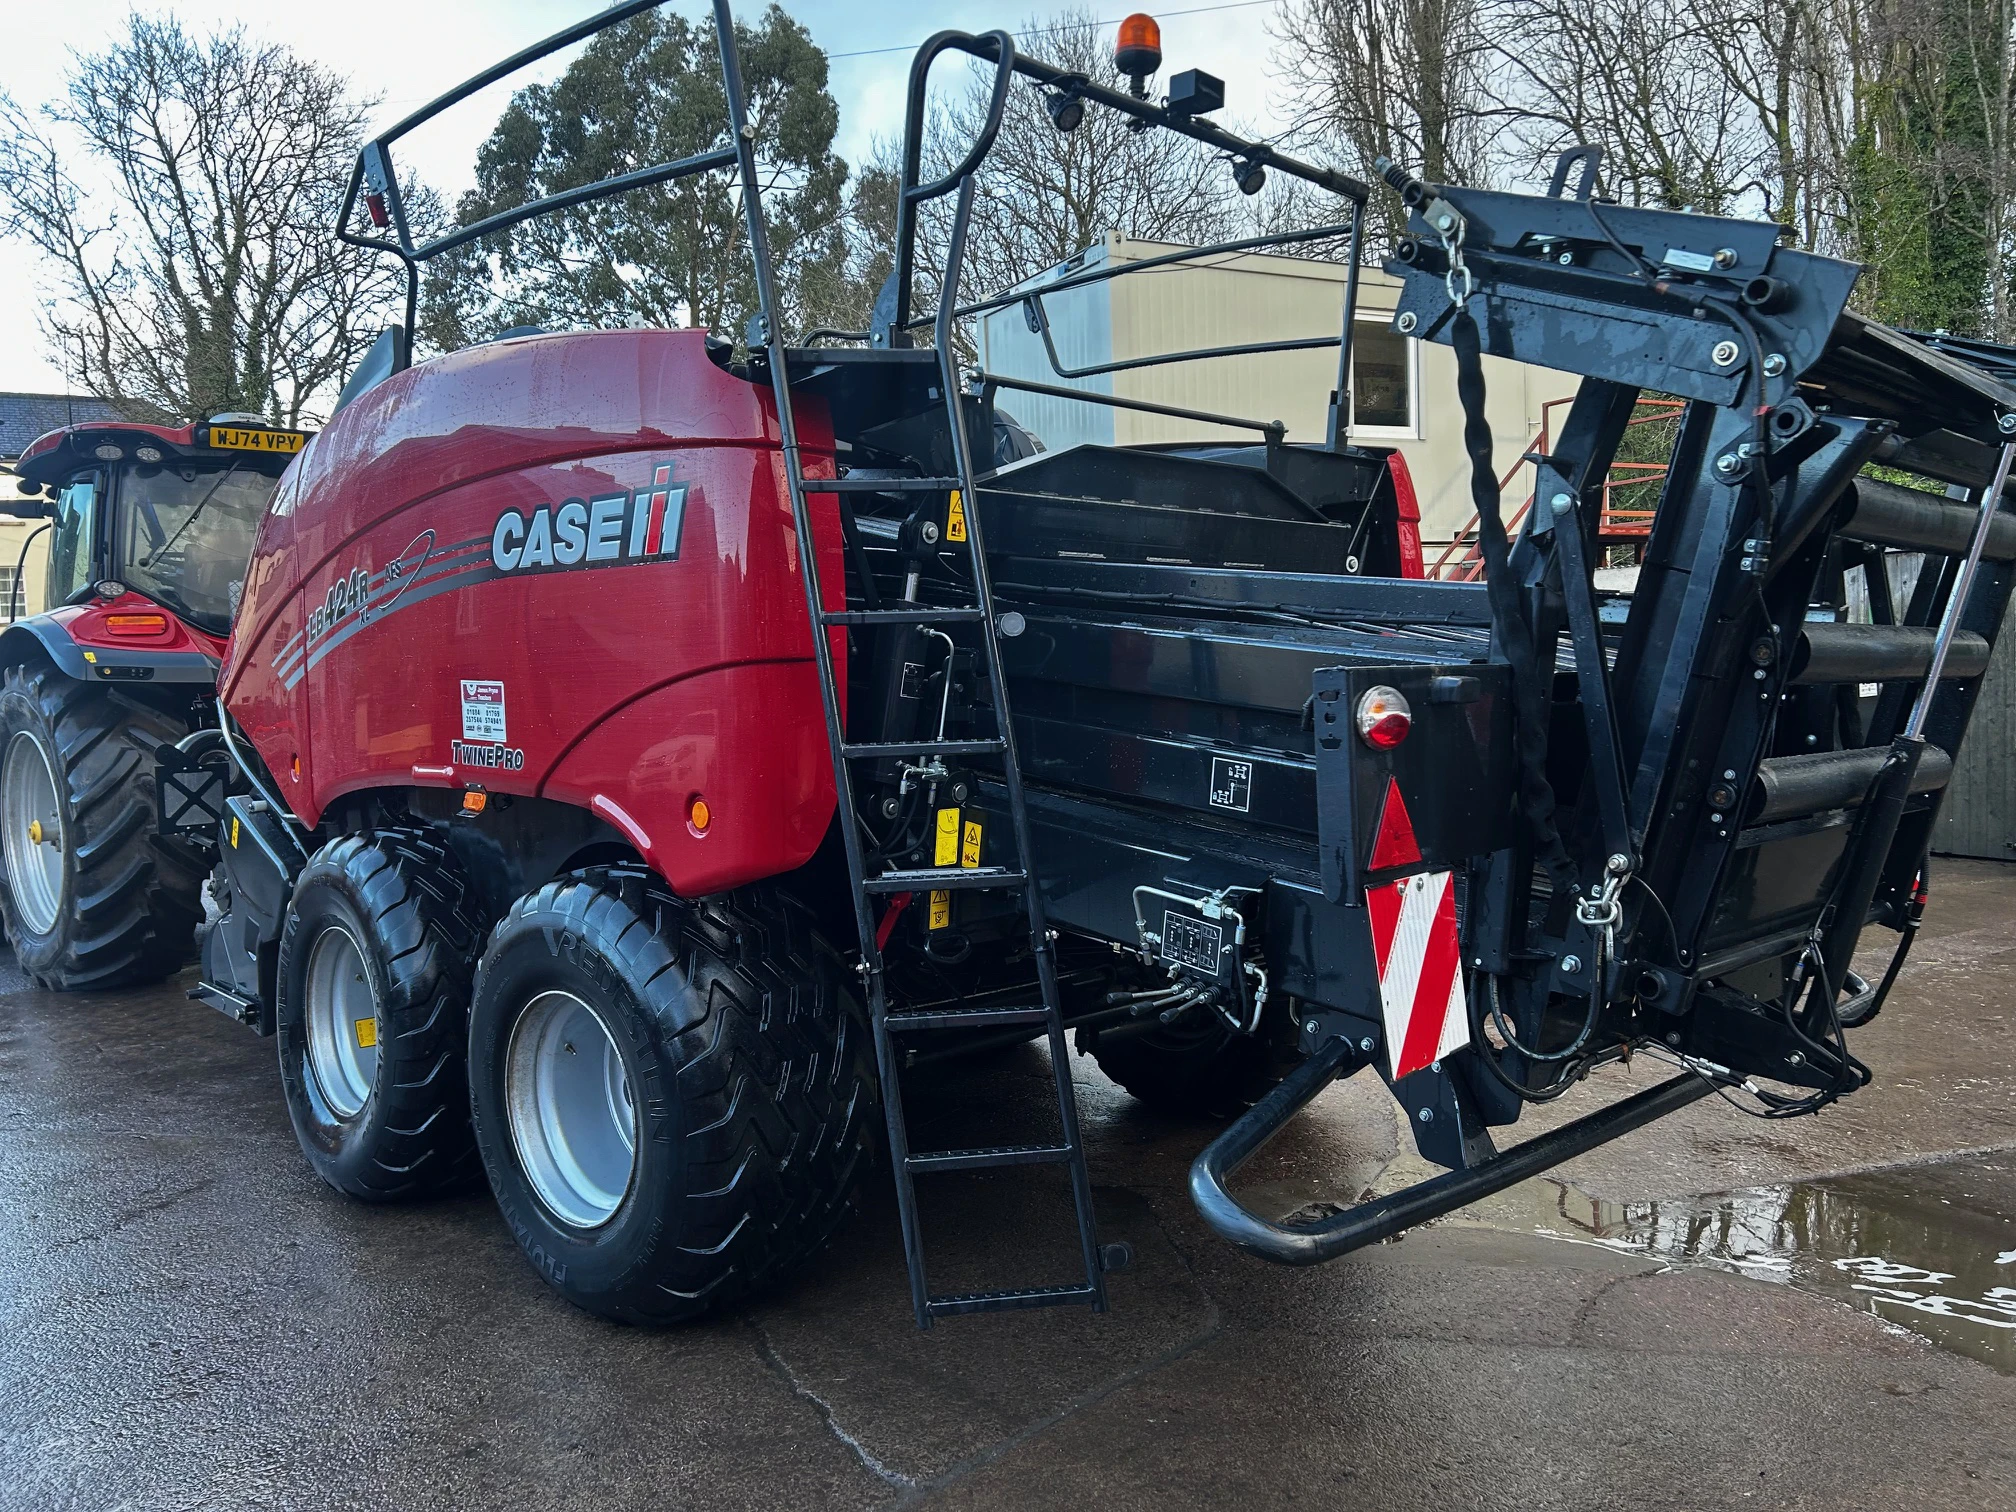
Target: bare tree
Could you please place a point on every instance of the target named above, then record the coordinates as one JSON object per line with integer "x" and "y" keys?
{"x": 1641, "y": 81}
{"x": 215, "y": 283}
{"x": 1409, "y": 80}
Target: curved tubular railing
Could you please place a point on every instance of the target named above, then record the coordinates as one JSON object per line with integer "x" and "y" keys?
{"x": 1383, "y": 1217}
{"x": 893, "y": 319}
{"x": 374, "y": 179}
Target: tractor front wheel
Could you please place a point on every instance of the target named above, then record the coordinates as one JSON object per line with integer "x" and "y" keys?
{"x": 93, "y": 896}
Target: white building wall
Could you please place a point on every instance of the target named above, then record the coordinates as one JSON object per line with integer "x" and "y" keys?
{"x": 1237, "y": 300}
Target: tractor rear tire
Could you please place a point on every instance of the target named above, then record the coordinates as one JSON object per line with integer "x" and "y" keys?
{"x": 373, "y": 1015}
{"x": 92, "y": 896}
{"x": 674, "y": 1100}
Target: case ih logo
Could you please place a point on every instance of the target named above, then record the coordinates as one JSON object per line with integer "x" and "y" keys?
{"x": 604, "y": 531}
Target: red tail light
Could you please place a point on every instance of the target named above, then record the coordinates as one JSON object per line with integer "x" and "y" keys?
{"x": 1383, "y": 718}
{"x": 375, "y": 203}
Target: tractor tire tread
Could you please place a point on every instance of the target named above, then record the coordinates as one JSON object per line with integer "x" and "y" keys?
{"x": 138, "y": 894}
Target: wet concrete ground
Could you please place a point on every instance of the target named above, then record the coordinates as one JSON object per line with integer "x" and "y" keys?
{"x": 189, "y": 1319}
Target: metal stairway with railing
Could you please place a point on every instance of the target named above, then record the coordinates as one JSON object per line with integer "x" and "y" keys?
{"x": 890, "y": 1027}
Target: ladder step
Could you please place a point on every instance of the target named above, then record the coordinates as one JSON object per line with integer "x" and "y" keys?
{"x": 1006, "y": 1301}
{"x": 988, "y": 1156}
{"x": 946, "y": 879}
{"x": 872, "y": 749}
{"x": 965, "y": 1018}
{"x": 919, "y": 616}
{"x": 880, "y": 485}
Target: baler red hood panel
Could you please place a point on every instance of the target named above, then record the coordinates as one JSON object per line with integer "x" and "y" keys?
{"x": 542, "y": 567}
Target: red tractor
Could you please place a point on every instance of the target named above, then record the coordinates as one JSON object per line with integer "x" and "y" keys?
{"x": 150, "y": 529}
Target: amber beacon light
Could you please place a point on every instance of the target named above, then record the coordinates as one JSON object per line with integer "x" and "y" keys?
{"x": 1137, "y": 51}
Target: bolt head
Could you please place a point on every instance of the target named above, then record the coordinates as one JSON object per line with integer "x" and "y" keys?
{"x": 1310, "y": 1025}
{"x": 1566, "y": 259}
{"x": 929, "y": 531}
{"x": 1407, "y": 321}
{"x": 1427, "y": 1115}
{"x": 1571, "y": 964}
{"x": 1774, "y": 364}
{"x": 2006, "y": 424}
{"x": 1445, "y": 221}
{"x": 1561, "y": 503}
{"x": 1728, "y": 463}
{"x": 1365, "y": 1044}
{"x": 1725, "y": 257}
{"x": 1724, "y": 353}
{"x": 1673, "y": 1039}
{"x": 1795, "y": 1059}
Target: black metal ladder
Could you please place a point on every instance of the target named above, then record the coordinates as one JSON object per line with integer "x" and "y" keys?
{"x": 889, "y": 1026}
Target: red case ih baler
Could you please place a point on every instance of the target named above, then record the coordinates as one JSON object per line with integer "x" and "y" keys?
{"x": 556, "y": 652}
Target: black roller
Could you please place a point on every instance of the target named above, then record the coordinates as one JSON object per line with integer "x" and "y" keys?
{"x": 1830, "y": 653}
{"x": 1791, "y": 787}
{"x": 1888, "y": 514}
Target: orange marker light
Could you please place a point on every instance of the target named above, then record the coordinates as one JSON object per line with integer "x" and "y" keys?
{"x": 474, "y": 801}
{"x": 698, "y": 815}
{"x": 136, "y": 626}
{"x": 1137, "y": 52}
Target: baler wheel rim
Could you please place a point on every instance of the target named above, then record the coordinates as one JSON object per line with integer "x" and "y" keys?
{"x": 570, "y": 1110}
{"x": 337, "y": 1005}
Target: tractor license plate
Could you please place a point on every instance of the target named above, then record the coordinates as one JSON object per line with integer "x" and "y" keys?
{"x": 235, "y": 438}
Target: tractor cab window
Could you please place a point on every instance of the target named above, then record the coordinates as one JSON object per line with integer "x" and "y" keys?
{"x": 71, "y": 542}
{"x": 185, "y": 535}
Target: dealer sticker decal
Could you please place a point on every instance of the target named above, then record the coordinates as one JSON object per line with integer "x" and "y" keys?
{"x": 483, "y": 711}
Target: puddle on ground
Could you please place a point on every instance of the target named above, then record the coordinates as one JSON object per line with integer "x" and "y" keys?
{"x": 1928, "y": 1248}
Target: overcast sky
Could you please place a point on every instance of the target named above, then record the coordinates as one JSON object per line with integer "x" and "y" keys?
{"x": 408, "y": 51}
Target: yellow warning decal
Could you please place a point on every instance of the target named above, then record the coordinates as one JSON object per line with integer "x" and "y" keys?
{"x": 945, "y": 850}
{"x": 367, "y": 1033}
{"x": 969, "y": 853}
{"x": 955, "y": 519}
{"x": 941, "y": 910}
{"x": 234, "y": 832}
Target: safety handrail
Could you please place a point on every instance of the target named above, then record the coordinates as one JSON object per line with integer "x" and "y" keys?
{"x": 893, "y": 314}
{"x": 374, "y": 178}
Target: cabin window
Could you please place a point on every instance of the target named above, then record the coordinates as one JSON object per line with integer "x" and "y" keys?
{"x": 1382, "y": 378}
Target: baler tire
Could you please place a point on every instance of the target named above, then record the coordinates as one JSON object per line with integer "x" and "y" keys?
{"x": 407, "y": 908}
{"x": 754, "y": 1089}
{"x": 128, "y": 900}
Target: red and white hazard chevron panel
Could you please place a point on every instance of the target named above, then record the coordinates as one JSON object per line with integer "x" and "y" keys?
{"x": 1415, "y": 944}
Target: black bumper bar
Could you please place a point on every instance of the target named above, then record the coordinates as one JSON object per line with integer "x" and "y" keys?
{"x": 1312, "y": 1243}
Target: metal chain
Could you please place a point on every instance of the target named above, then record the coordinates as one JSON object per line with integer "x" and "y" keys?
{"x": 1452, "y": 243}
